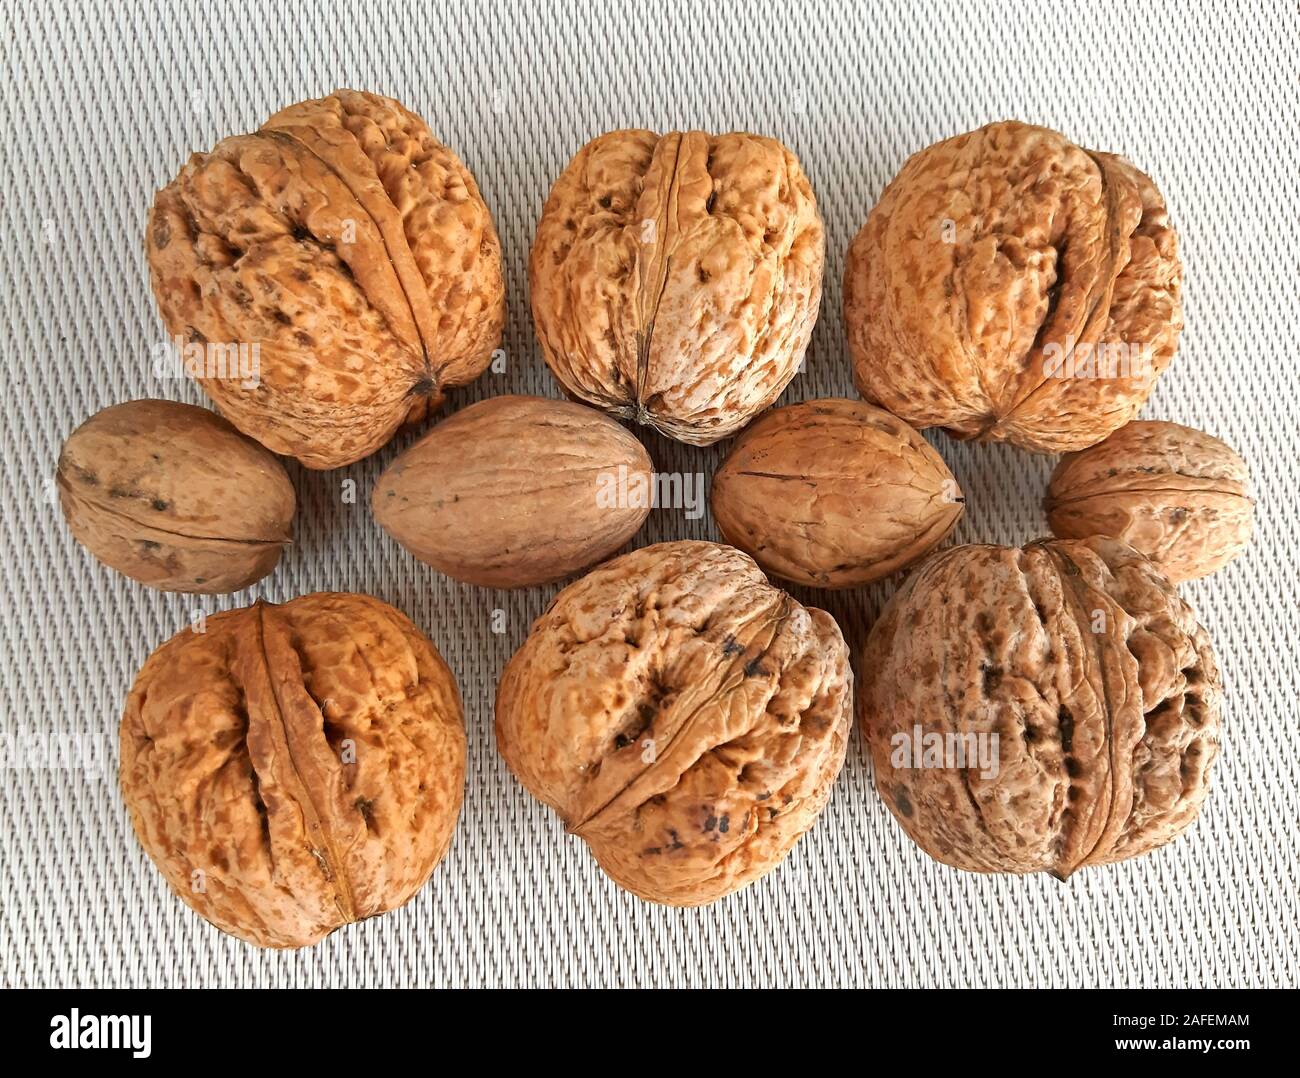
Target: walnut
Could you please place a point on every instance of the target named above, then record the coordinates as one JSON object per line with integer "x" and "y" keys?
{"x": 675, "y": 279}
{"x": 681, "y": 715}
{"x": 1040, "y": 709}
{"x": 292, "y": 769}
{"x": 1010, "y": 285}
{"x": 517, "y": 490}
{"x": 174, "y": 497}
{"x": 834, "y": 494}
{"x": 353, "y": 251}
{"x": 1179, "y": 496}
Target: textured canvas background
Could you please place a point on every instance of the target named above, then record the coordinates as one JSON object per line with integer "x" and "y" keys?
{"x": 102, "y": 103}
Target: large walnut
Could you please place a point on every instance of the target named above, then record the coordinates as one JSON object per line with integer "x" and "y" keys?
{"x": 1010, "y": 285}
{"x": 834, "y": 494}
{"x": 174, "y": 497}
{"x": 353, "y": 250}
{"x": 1179, "y": 496}
{"x": 675, "y": 279}
{"x": 682, "y": 716}
{"x": 1040, "y": 709}
{"x": 517, "y": 490}
{"x": 292, "y": 769}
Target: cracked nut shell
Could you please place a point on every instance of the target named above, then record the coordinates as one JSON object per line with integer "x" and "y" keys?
{"x": 291, "y": 769}
{"x": 1010, "y": 285}
{"x": 1178, "y": 495}
{"x": 681, "y": 715}
{"x": 515, "y": 491}
{"x": 353, "y": 250}
{"x": 834, "y": 494}
{"x": 174, "y": 497}
{"x": 675, "y": 278}
{"x": 1090, "y": 672}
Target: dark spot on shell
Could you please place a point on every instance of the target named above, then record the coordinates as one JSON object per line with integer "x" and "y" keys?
{"x": 710, "y": 823}
{"x": 160, "y": 505}
{"x": 754, "y": 667}
{"x": 724, "y": 824}
{"x": 730, "y": 646}
{"x": 903, "y": 803}
{"x": 162, "y": 232}
{"x": 1066, "y": 721}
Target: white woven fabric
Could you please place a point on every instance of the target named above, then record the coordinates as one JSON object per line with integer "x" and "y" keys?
{"x": 102, "y": 104}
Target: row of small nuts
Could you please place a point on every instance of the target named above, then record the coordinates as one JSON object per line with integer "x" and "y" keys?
{"x": 681, "y": 714}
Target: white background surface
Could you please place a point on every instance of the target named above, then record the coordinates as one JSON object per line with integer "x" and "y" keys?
{"x": 101, "y": 105}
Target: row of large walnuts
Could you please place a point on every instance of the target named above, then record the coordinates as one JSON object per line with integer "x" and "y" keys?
{"x": 295, "y": 768}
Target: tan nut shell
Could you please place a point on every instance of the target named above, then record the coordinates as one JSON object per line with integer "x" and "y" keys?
{"x": 681, "y": 715}
{"x": 675, "y": 279}
{"x": 304, "y": 762}
{"x": 515, "y": 491}
{"x": 174, "y": 497}
{"x": 1001, "y": 272}
{"x": 354, "y": 250}
{"x": 1179, "y": 496}
{"x": 834, "y": 494}
{"x": 1099, "y": 685}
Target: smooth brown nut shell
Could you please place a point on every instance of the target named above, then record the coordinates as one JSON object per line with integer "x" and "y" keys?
{"x": 174, "y": 497}
{"x": 681, "y": 715}
{"x": 834, "y": 493}
{"x": 517, "y": 490}
{"x": 1178, "y": 495}
{"x": 1010, "y": 285}
{"x": 675, "y": 279}
{"x": 292, "y": 769}
{"x": 355, "y": 252}
{"x": 1092, "y": 673}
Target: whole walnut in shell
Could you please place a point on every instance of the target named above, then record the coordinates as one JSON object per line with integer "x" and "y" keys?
{"x": 1179, "y": 496}
{"x": 292, "y": 769}
{"x": 517, "y": 490}
{"x": 675, "y": 278}
{"x": 174, "y": 497}
{"x": 681, "y": 715}
{"x": 834, "y": 494}
{"x": 1041, "y": 709}
{"x": 353, "y": 250}
{"x": 1010, "y": 285}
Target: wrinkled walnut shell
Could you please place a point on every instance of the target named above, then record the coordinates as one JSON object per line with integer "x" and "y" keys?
{"x": 834, "y": 494}
{"x": 291, "y": 769}
{"x": 1179, "y": 496}
{"x": 1010, "y": 285}
{"x": 675, "y": 279}
{"x": 515, "y": 491}
{"x": 174, "y": 497}
{"x": 681, "y": 715}
{"x": 1091, "y": 672}
{"x": 355, "y": 252}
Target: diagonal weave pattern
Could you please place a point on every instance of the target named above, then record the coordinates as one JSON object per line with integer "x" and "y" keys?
{"x": 103, "y": 103}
